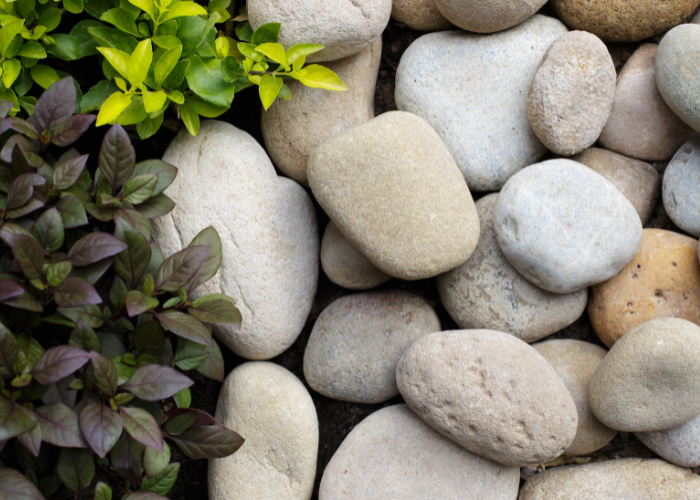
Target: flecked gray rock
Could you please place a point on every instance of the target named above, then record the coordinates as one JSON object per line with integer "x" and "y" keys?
{"x": 268, "y": 231}
{"x": 650, "y": 379}
{"x": 473, "y": 90}
{"x": 394, "y": 455}
{"x": 488, "y": 17}
{"x": 358, "y": 340}
{"x": 421, "y": 15}
{"x": 565, "y": 227}
{"x": 485, "y": 390}
{"x": 487, "y": 292}
{"x": 679, "y": 445}
{"x": 681, "y": 189}
{"x": 395, "y": 192}
{"x": 272, "y": 410}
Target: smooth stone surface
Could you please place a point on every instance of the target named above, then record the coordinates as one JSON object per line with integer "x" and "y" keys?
{"x": 421, "y": 15}
{"x": 486, "y": 391}
{"x": 565, "y": 227}
{"x": 487, "y": 292}
{"x": 678, "y": 72}
{"x": 641, "y": 125}
{"x": 622, "y": 479}
{"x": 488, "y": 17}
{"x": 268, "y": 231}
{"x": 343, "y": 28}
{"x": 622, "y": 20}
{"x": 272, "y": 410}
{"x": 682, "y": 188}
{"x": 662, "y": 280}
{"x": 576, "y": 362}
{"x": 637, "y": 180}
{"x": 473, "y": 90}
{"x": 679, "y": 445}
{"x": 357, "y": 342}
{"x": 650, "y": 379}
{"x": 572, "y": 93}
{"x": 292, "y": 129}
{"x": 394, "y": 455}
{"x": 395, "y": 192}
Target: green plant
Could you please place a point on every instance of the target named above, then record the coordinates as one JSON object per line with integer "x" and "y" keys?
{"x": 78, "y": 253}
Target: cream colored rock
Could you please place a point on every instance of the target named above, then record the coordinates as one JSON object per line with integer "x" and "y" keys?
{"x": 488, "y": 17}
{"x": 421, "y": 15}
{"x": 679, "y": 445}
{"x": 272, "y": 410}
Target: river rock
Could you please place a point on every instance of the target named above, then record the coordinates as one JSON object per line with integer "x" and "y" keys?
{"x": 650, "y": 379}
{"x": 485, "y": 390}
{"x": 662, "y": 280}
{"x": 565, "y": 227}
{"x": 421, "y": 15}
{"x": 622, "y": 20}
{"x": 637, "y": 180}
{"x": 268, "y": 231}
{"x": 679, "y": 445}
{"x": 488, "y": 17}
{"x": 292, "y": 129}
{"x": 621, "y": 479}
{"x": 571, "y": 95}
{"x": 682, "y": 188}
{"x": 343, "y": 28}
{"x": 272, "y": 410}
{"x": 393, "y": 455}
{"x": 357, "y": 342}
{"x": 473, "y": 90}
{"x": 395, "y": 192}
{"x": 487, "y": 292}
{"x": 576, "y": 362}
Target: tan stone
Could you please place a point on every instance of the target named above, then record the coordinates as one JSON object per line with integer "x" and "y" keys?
{"x": 488, "y": 17}
{"x": 421, "y": 15}
{"x": 662, "y": 280}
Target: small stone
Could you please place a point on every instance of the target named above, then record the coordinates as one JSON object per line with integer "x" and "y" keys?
{"x": 488, "y": 17}
{"x": 272, "y": 410}
{"x": 662, "y": 280}
{"x": 576, "y": 362}
{"x": 487, "y": 292}
{"x": 565, "y": 227}
{"x": 682, "y": 188}
{"x": 650, "y": 379}
{"x": 395, "y": 192}
{"x": 421, "y": 15}
{"x": 679, "y": 445}
{"x": 637, "y": 180}
{"x": 572, "y": 93}
{"x": 358, "y": 340}
{"x": 485, "y": 390}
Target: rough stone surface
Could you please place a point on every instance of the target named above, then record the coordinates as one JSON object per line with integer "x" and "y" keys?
{"x": 473, "y": 90}
{"x": 343, "y": 28}
{"x": 357, "y": 342}
{"x": 395, "y": 192}
{"x": 421, "y": 15}
{"x": 650, "y": 379}
{"x": 576, "y": 362}
{"x": 682, "y": 188}
{"x": 487, "y": 292}
{"x": 637, "y": 180}
{"x": 490, "y": 393}
{"x": 572, "y": 93}
{"x": 272, "y": 410}
{"x": 623, "y": 479}
{"x": 565, "y": 227}
{"x": 662, "y": 280}
{"x": 622, "y": 20}
{"x": 292, "y": 129}
{"x": 679, "y": 445}
{"x": 488, "y": 17}
{"x": 641, "y": 125}
{"x": 268, "y": 231}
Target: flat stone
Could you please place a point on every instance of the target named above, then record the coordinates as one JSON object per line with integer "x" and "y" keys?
{"x": 292, "y": 129}
{"x": 621, "y": 479}
{"x": 272, "y": 410}
{"x": 485, "y": 390}
{"x": 357, "y": 342}
{"x": 565, "y": 227}
{"x": 662, "y": 280}
{"x": 679, "y": 445}
{"x": 393, "y": 455}
{"x": 637, "y": 180}
{"x": 576, "y": 362}
{"x": 682, "y": 188}
{"x": 488, "y": 17}
{"x": 572, "y": 93}
{"x": 486, "y": 292}
{"x": 268, "y": 231}
{"x": 421, "y": 15}
{"x": 473, "y": 90}
{"x": 395, "y": 192}
{"x": 650, "y": 379}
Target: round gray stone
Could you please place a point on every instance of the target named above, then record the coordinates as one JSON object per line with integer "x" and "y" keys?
{"x": 488, "y": 17}
{"x": 681, "y": 189}
{"x": 679, "y": 445}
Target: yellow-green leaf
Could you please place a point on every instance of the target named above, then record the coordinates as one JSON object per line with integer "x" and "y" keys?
{"x": 183, "y": 9}
{"x": 319, "y": 77}
{"x": 144, "y": 5}
{"x": 118, "y": 59}
{"x": 176, "y": 96}
{"x": 274, "y": 51}
{"x": 112, "y": 108}
{"x": 190, "y": 118}
{"x": 206, "y": 109}
{"x": 269, "y": 88}
{"x": 302, "y": 49}
{"x": 167, "y": 63}
{"x": 166, "y": 41}
{"x": 139, "y": 62}
{"x": 222, "y": 47}
{"x": 44, "y": 76}
{"x": 153, "y": 101}
{"x": 10, "y": 72}
{"x": 8, "y": 32}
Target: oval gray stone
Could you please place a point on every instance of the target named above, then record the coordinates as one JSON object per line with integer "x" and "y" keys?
{"x": 681, "y": 190}
{"x": 488, "y": 17}
{"x": 679, "y": 445}
{"x": 421, "y": 15}
{"x": 565, "y": 227}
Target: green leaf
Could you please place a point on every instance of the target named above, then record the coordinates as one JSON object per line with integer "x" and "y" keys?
{"x": 156, "y": 382}
{"x": 167, "y": 63}
{"x": 124, "y": 370}
{"x": 101, "y": 427}
{"x": 73, "y": 6}
{"x": 118, "y": 59}
{"x": 11, "y": 68}
{"x": 155, "y": 461}
{"x": 60, "y": 426}
{"x": 105, "y": 373}
{"x": 31, "y": 440}
{"x": 177, "y": 424}
{"x": 8, "y": 32}
{"x": 217, "y": 312}
{"x": 14, "y": 419}
{"x": 190, "y": 118}
{"x": 134, "y": 113}
{"x": 206, "y": 109}
{"x": 65, "y": 47}
{"x": 183, "y": 9}
{"x": 132, "y": 262}
{"x": 249, "y": 51}
{"x": 139, "y": 62}
{"x": 113, "y": 38}
{"x": 75, "y": 468}
{"x": 117, "y": 293}
{"x": 14, "y": 486}
{"x": 122, "y": 20}
{"x": 267, "y": 33}
{"x": 97, "y": 95}
{"x": 8, "y": 351}
{"x": 92, "y": 314}
{"x": 44, "y": 76}
{"x": 127, "y": 459}
{"x": 138, "y": 189}
{"x": 189, "y": 355}
{"x": 177, "y": 76}
{"x": 49, "y": 232}
{"x": 153, "y": 101}
{"x": 142, "y": 427}
{"x": 84, "y": 337}
{"x": 112, "y": 108}
{"x": 162, "y": 482}
{"x": 102, "y": 491}
{"x": 146, "y": 6}
{"x": 244, "y": 32}
{"x": 72, "y": 212}
{"x": 137, "y": 303}
{"x": 316, "y": 76}
{"x": 50, "y": 18}
{"x": 149, "y": 126}
{"x": 274, "y": 51}
{"x": 149, "y": 338}
{"x": 28, "y": 254}
{"x": 183, "y": 399}
{"x": 167, "y": 42}
{"x": 206, "y": 80}
{"x": 32, "y": 50}
{"x": 165, "y": 171}
{"x": 208, "y": 441}
{"x": 270, "y": 86}
{"x": 157, "y": 206}
{"x": 185, "y": 326}
{"x": 57, "y": 273}
{"x": 301, "y": 50}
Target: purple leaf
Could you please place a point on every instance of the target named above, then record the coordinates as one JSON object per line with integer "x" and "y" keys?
{"x": 156, "y": 207}
{"x": 14, "y": 486}
{"x": 23, "y": 127}
{"x": 75, "y": 292}
{"x": 201, "y": 417}
{"x": 25, "y": 302}
{"x": 101, "y": 427}
{"x": 59, "y": 426}
{"x": 165, "y": 171}
{"x": 91, "y": 314}
{"x": 117, "y": 156}
{"x": 127, "y": 459}
{"x": 142, "y": 427}
{"x": 72, "y": 212}
{"x": 105, "y": 373}
{"x": 33, "y": 204}
{"x": 27, "y": 252}
{"x": 217, "y": 312}
{"x": 9, "y": 350}
{"x": 132, "y": 262}
{"x": 137, "y": 303}
{"x": 24, "y": 144}
{"x": 76, "y": 469}
{"x": 70, "y": 130}
{"x": 208, "y": 441}
{"x": 156, "y": 382}
{"x": 48, "y": 230}
{"x": 213, "y": 366}
{"x": 5, "y": 107}
{"x": 93, "y": 247}
{"x": 102, "y": 213}
{"x": 136, "y": 220}
{"x": 185, "y": 326}
{"x": 58, "y": 362}
{"x": 146, "y": 495}
{"x": 178, "y": 269}
{"x": 22, "y": 189}
{"x": 9, "y": 289}
{"x": 68, "y": 172}
{"x": 15, "y": 419}
{"x": 210, "y": 238}
{"x": 56, "y": 104}
{"x": 31, "y": 440}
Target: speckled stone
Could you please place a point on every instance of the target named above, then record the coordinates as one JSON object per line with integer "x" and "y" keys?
{"x": 488, "y": 17}
{"x": 679, "y": 445}
{"x": 682, "y": 188}
{"x": 421, "y": 15}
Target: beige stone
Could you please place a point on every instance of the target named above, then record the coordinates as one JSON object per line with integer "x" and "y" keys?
{"x": 679, "y": 445}
{"x": 488, "y": 17}
{"x": 421, "y": 15}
